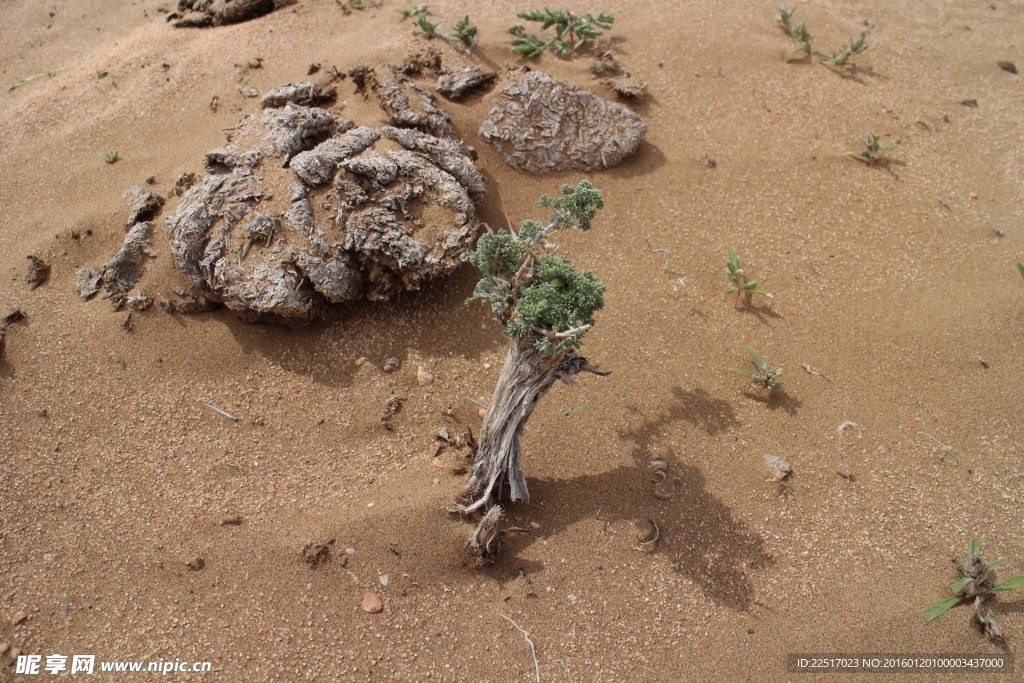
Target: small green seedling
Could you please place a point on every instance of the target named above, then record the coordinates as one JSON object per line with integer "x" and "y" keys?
{"x": 425, "y": 28}
{"x": 765, "y": 374}
{"x": 873, "y": 153}
{"x": 738, "y": 282}
{"x": 855, "y": 47}
{"x": 413, "y": 11}
{"x": 111, "y": 157}
{"x": 785, "y": 16}
{"x": 976, "y": 582}
{"x": 348, "y": 5}
{"x": 465, "y": 31}
{"x": 800, "y": 34}
{"x": 28, "y": 79}
{"x": 571, "y": 31}
{"x": 1020, "y": 267}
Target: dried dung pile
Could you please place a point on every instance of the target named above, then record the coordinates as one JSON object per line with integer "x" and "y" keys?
{"x": 408, "y": 105}
{"x": 543, "y": 125}
{"x": 302, "y": 209}
{"x": 457, "y": 83}
{"x": 201, "y": 13}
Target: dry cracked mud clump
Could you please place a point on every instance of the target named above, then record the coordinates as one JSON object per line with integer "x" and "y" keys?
{"x": 200, "y": 13}
{"x": 302, "y": 209}
{"x": 123, "y": 271}
{"x": 543, "y": 125}
{"x": 456, "y": 83}
{"x": 408, "y": 105}
{"x": 307, "y": 94}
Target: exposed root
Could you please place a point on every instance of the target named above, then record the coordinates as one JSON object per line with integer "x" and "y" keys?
{"x": 486, "y": 539}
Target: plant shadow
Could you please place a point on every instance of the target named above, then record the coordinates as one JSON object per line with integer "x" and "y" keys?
{"x": 763, "y": 312}
{"x": 699, "y": 537}
{"x": 775, "y": 401}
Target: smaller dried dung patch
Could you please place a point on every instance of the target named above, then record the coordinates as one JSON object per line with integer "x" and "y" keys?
{"x": 456, "y": 83}
{"x": 202, "y": 13}
{"x": 408, "y": 105}
{"x": 543, "y": 125}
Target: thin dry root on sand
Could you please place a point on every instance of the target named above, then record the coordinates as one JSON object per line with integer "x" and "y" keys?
{"x": 533, "y": 648}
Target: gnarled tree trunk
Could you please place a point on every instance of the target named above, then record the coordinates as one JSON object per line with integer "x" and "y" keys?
{"x": 526, "y": 376}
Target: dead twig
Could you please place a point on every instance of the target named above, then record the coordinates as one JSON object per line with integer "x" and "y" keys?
{"x": 844, "y": 469}
{"x": 649, "y": 543}
{"x": 475, "y": 402}
{"x": 222, "y": 412}
{"x": 666, "y": 255}
{"x": 533, "y": 648}
{"x": 944, "y": 446}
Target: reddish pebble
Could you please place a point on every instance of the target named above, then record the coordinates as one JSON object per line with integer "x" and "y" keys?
{"x": 372, "y": 604}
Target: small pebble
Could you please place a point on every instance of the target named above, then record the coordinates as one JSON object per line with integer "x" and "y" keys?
{"x": 372, "y": 604}
{"x": 3, "y": 648}
{"x": 482, "y": 412}
{"x": 424, "y": 376}
{"x": 350, "y": 551}
{"x": 231, "y": 521}
{"x": 778, "y": 466}
{"x": 1008, "y": 66}
{"x": 385, "y": 579}
{"x": 391, "y": 364}
{"x": 15, "y": 652}
{"x": 487, "y": 366}
{"x": 436, "y": 481}
{"x": 534, "y": 525}
{"x": 19, "y": 617}
{"x": 360, "y": 361}
{"x": 973, "y": 195}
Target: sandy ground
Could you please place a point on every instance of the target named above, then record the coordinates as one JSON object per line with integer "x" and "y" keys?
{"x": 113, "y": 473}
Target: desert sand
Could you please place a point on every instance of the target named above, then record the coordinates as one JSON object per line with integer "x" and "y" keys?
{"x": 896, "y": 305}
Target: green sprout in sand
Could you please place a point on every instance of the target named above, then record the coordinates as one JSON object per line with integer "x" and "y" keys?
{"x": 800, "y": 34}
{"x": 465, "y": 32}
{"x": 572, "y": 31}
{"x": 413, "y": 11}
{"x": 28, "y": 79}
{"x": 765, "y": 374}
{"x": 348, "y": 5}
{"x": 855, "y": 47}
{"x": 976, "y": 583}
{"x": 739, "y": 284}
{"x": 873, "y": 153}
{"x": 424, "y": 27}
{"x": 545, "y": 306}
